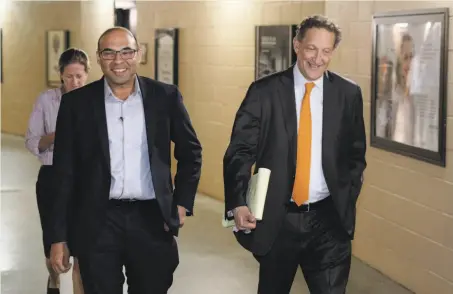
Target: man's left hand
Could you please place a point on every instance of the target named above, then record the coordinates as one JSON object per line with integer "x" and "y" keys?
{"x": 182, "y": 215}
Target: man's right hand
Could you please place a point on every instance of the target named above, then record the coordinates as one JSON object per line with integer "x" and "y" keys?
{"x": 244, "y": 219}
{"x": 59, "y": 258}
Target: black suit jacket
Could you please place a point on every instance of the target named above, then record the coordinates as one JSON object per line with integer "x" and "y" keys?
{"x": 82, "y": 159}
{"x": 265, "y": 134}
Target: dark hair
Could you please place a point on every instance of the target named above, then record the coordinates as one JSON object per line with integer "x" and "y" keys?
{"x": 108, "y": 31}
{"x": 73, "y": 55}
{"x": 318, "y": 22}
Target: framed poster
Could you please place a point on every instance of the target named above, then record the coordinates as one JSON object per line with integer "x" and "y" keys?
{"x": 409, "y": 83}
{"x": 144, "y": 49}
{"x": 1, "y": 56}
{"x": 274, "y": 49}
{"x": 57, "y": 42}
{"x": 166, "y": 55}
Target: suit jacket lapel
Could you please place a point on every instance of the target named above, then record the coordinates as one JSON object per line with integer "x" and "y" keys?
{"x": 101, "y": 119}
{"x": 331, "y": 107}
{"x": 331, "y": 119}
{"x": 288, "y": 103}
{"x": 150, "y": 110}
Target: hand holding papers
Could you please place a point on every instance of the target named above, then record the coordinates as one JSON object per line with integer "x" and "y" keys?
{"x": 257, "y": 192}
{"x": 245, "y": 217}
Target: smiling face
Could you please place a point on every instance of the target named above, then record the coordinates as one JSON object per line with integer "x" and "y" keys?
{"x": 118, "y": 57}
{"x": 314, "y": 52}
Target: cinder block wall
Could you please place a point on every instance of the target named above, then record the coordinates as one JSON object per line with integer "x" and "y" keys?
{"x": 216, "y": 65}
{"x": 405, "y": 212}
{"x": 24, "y": 26}
{"x": 24, "y": 54}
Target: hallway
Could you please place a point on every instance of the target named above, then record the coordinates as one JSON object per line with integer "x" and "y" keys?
{"x": 211, "y": 261}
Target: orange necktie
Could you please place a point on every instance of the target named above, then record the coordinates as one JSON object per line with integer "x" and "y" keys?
{"x": 302, "y": 180}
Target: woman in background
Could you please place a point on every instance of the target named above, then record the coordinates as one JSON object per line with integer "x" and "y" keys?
{"x": 73, "y": 66}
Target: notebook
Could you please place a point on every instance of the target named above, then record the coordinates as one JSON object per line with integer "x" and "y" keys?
{"x": 255, "y": 197}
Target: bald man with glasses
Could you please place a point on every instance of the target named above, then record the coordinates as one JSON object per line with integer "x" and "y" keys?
{"x": 112, "y": 157}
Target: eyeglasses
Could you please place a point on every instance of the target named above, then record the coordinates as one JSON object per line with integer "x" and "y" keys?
{"x": 125, "y": 53}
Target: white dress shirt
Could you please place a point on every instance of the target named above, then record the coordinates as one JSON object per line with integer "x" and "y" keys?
{"x": 318, "y": 188}
{"x": 129, "y": 157}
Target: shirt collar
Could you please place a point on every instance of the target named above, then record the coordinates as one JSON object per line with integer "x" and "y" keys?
{"x": 108, "y": 91}
{"x": 300, "y": 80}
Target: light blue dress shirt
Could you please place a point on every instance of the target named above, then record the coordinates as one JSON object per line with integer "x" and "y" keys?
{"x": 129, "y": 157}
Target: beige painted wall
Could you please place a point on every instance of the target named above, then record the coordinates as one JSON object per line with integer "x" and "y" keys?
{"x": 96, "y": 17}
{"x": 2, "y": 13}
{"x": 405, "y": 213}
{"x": 216, "y": 63}
{"x": 24, "y": 59}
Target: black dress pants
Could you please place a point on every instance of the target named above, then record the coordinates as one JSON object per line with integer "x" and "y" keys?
{"x": 313, "y": 240}
{"x": 133, "y": 237}
{"x": 45, "y": 198}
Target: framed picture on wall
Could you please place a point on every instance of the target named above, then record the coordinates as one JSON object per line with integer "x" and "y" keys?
{"x": 57, "y": 41}
{"x": 273, "y": 49}
{"x": 409, "y": 83}
{"x": 144, "y": 49}
{"x": 1, "y": 56}
{"x": 166, "y": 55}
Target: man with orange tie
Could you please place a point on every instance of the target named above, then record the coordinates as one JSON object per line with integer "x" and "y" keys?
{"x": 306, "y": 125}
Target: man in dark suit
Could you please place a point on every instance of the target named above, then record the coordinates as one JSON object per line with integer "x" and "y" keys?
{"x": 112, "y": 156}
{"x": 306, "y": 125}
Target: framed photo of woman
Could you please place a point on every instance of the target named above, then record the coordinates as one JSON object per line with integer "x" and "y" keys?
{"x": 409, "y": 83}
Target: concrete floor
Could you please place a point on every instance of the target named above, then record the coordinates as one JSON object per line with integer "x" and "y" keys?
{"x": 211, "y": 261}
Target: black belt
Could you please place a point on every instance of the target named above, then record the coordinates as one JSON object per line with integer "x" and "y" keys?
{"x": 326, "y": 202}
{"x": 132, "y": 201}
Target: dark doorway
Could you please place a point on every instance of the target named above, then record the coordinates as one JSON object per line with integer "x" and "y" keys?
{"x": 126, "y": 14}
